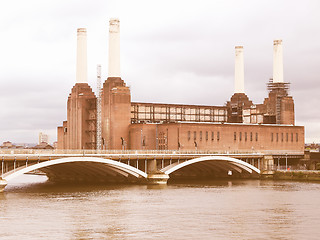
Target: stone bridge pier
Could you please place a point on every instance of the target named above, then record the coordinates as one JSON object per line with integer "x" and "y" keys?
{"x": 3, "y": 184}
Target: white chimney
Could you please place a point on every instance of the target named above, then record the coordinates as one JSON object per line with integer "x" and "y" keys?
{"x": 277, "y": 61}
{"x": 114, "y": 48}
{"x": 239, "y": 71}
{"x": 82, "y": 75}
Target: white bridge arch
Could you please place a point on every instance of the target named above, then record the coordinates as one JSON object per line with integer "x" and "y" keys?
{"x": 110, "y": 165}
{"x": 93, "y": 168}
{"x": 232, "y": 164}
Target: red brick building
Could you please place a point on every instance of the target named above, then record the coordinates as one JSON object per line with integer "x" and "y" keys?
{"x": 240, "y": 125}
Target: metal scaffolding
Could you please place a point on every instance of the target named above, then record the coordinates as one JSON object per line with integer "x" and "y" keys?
{"x": 99, "y": 142}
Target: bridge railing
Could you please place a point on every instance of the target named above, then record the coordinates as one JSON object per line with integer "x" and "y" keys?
{"x": 141, "y": 152}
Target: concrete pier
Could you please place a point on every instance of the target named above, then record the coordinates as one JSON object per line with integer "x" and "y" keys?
{"x": 157, "y": 178}
{"x": 3, "y": 184}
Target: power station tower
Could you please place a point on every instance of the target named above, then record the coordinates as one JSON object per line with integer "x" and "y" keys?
{"x": 99, "y": 139}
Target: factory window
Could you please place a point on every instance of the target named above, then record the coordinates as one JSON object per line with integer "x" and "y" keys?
{"x": 291, "y": 137}
{"x": 281, "y": 137}
{"x": 218, "y": 136}
{"x": 256, "y": 137}
{"x": 245, "y": 136}
{"x": 207, "y": 135}
{"x": 194, "y": 135}
{"x": 297, "y": 137}
{"x": 235, "y": 136}
{"x": 212, "y": 136}
{"x": 200, "y": 135}
{"x": 251, "y": 136}
{"x": 287, "y": 137}
{"x": 240, "y": 136}
{"x": 277, "y": 137}
{"x": 189, "y": 135}
{"x": 271, "y": 137}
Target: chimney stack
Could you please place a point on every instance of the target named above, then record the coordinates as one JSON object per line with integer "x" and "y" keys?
{"x": 114, "y": 48}
{"x": 82, "y": 75}
{"x": 239, "y": 71}
{"x": 277, "y": 61}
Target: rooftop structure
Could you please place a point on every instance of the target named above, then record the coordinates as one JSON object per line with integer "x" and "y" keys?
{"x": 238, "y": 125}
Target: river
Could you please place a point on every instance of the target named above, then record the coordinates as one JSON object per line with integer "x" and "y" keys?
{"x": 31, "y": 208}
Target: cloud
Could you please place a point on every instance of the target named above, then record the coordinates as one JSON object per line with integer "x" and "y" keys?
{"x": 171, "y": 52}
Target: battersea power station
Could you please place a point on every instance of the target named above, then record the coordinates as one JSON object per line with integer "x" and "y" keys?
{"x": 109, "y": 120}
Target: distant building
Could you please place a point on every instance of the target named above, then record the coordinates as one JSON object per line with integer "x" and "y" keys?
{"x": 10, "y": 145}
{"x": 43, "y": 145}
{"x": 55, "y": 145}
{"x": 313, "y": 147}
{"x": 240, "y": 125}
{"x": 7, "y": 144}
{"x": 43, "y": 138}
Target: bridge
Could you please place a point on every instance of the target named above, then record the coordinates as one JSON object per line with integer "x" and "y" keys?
{"x": 152, "y": 167}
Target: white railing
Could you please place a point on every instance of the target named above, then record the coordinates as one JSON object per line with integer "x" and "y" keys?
{"x": 142, "y": 152}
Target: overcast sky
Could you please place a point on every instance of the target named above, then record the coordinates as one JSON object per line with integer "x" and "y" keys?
{"x": 171, "y": 52}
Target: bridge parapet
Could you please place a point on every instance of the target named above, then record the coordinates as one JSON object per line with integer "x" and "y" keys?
{"x": 153, "y": 165}
{"x": 139, "y": 152}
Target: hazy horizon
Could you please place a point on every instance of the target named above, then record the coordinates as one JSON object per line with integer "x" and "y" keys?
{"x": 170, "y": 50}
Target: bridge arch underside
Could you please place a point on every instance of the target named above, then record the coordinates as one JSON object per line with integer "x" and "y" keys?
{"x": 79, "y": 169}
{"x": 87, "y": 172}
{"x": 212, "y": 169}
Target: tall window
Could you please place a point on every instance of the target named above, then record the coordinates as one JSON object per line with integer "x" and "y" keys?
{"x": 200, "y": 135}
{"x": 277, "y": 137}
{"x": 245, "y": 136}
{"x": 240, "y": 136}
{"x": 194, "y": 135}
{"x": 281, "y": 137}
{"x": 291, "y": 137}
{"x": 257, "y": 137}
{"x": 235, "y": 136}
{"x": 287, "y": 137}
{"x": 297, "y": 137}
{"x": 207, "y": 136}
{"x": 212, "y": 136}
{"x": 251, "y": 136}
{"x": 218, "y": 136}
{"x": 189, "y": 135}
{"x": 271, "y": 137}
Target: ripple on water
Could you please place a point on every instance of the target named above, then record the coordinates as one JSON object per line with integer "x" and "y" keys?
{"x": 237, "y": 209}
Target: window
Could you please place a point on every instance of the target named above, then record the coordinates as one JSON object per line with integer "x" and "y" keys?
{"x": 297, "y": 137}
{"x": 212, "y": 136}
{"x": 287, "y": 137}
{"x": 271, "y": 137}
{"x": 207, "y": 136}
{"x": 194, "y": 135}
{"x": 218, "y": 136}
{"x": 251, "y": 136}
{"x": 291, "y": 137}
{"x": 245, "y": 136}
{"x": 281, "y": 137}
{"x": 200, "y": 135}
{"x": 240, "y": 136}
{"x": 189, "y": 135}
{"x": 235, "y": 136}
{"x": 257, "y": 137}
{"x": 277, "y": 137}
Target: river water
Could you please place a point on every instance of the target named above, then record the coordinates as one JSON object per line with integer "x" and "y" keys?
{"x": 31, "y": 208}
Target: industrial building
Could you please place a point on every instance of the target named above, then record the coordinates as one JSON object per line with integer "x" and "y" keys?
{"x": 111, "y": 120}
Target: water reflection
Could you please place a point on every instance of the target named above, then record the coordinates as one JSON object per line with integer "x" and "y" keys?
{"x": 225, "y": 209}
